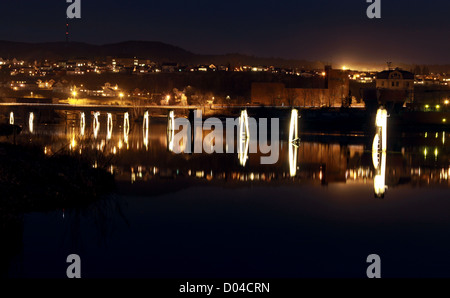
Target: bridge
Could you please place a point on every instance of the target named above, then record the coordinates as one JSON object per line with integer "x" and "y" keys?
{"x": 100, "y": 107}
{"x": 118, "y": 108}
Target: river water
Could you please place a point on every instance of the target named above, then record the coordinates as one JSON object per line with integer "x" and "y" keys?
{"x": 316, "y": 212}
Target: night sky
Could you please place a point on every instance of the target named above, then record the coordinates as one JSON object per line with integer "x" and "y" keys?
{"x": 336, "y": 31}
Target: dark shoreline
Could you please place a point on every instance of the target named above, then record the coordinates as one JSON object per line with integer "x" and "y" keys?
{"x": 32, "y": 181}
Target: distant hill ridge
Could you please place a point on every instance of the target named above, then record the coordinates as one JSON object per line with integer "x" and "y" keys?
{"x": 155, "y": 51}
{"x": 160, "y": 52}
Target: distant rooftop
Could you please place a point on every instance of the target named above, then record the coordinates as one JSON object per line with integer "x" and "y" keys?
{"x": 405, "y": 74}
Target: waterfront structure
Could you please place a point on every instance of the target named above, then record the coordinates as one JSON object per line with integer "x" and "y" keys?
{"x": 395, "y": 86}
{"x": 333, "y": 92}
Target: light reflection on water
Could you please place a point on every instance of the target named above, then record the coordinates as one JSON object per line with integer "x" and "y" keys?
{"x": 126, "y": 127}
{"x": 216, "y": 211}
{"x": 379, "y": 148}
{"x": 82, "y": 124}
{"x": 303, "y": 158}
{"x": 31, "y": 122}
{"x": 96, "y": 124}
{"x": 292, "y": 142}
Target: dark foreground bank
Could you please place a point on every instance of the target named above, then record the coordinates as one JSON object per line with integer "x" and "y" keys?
{"x": 33, "y": 181}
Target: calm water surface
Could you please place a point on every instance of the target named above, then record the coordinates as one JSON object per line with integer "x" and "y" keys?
{"x": 312, "y": 214}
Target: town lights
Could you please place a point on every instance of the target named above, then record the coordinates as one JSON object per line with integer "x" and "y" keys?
{"x": 446, "y": 102}
{"x": 74, "y": 93}
{"x": 121, "y": 95}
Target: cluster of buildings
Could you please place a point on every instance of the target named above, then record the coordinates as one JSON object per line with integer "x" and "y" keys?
{"x": 362, "y": 77}
{"x": 333, "y": 90}
{"x": 64, "y": 87}
{"x": 433, "y": 80}
{"x": 393, "y": 87}
{"x": 134, "y": 65}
